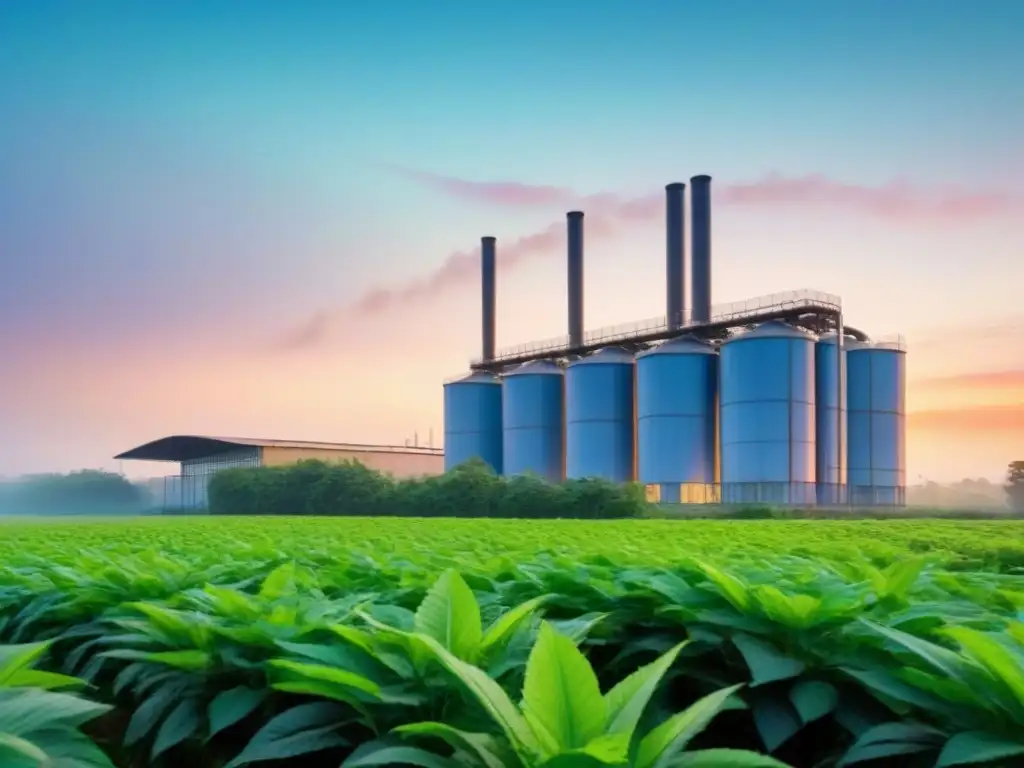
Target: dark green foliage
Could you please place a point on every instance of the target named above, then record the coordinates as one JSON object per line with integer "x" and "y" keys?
{"x": 88, "y": 492}
{"x": 316, "y": 488}
{"x": 1015, "y": 485}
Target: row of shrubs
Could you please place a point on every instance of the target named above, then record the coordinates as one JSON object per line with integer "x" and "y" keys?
{"x": 318, "y": 488}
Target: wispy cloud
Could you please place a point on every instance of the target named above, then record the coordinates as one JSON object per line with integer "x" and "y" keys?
{"x": 609, "y": 213}
{"x": 1005, "y": 420}
{"x": 981, "y": 380}
{"x": 897, "y": 201}
{"x": 504, "y": 193}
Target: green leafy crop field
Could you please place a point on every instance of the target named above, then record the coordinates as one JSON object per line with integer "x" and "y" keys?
{"x": 985, "y": 545}
{"x": 511, "y": 644}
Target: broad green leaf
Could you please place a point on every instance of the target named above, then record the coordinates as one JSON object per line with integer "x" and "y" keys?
{"x": 891, "y": 739}
{"x": 813, "y": 700}
{"x": 231, "y": 706}
{"x": 940, "y": 658}
{"x": 150, "y": 712}
{"x": 489, "y": 694}
{"x": 324, "y": 674}
{"x": 561, "y": 697}
{"x": 766, "y": 664}
{"x": 484, "y": 746}
{"x": 301, "y": 743}
{"x": 579, "y": 628}
{"x": 450, "y": 615}
{"x": 657, "y": 748}
{"x": 16, "y": 658}
{"x": 627, "y": 700}
{"x": 279, "y": 582}
{"x": 191, "y": 660}
{"x": 505, "y": 625}
{"x": 181, "y": 724}
{"x": 725, "y": 758}
{"x": 385, "y": 754}
{"x": 1006, "y": 667}
{"x": 776, "y": 719}
{"x": 66, "y": 748}
{"x": 341, "y": 655}
{"x": 890, "y": 689}
{"x": 608, "y": 748}
{"x": 25, "y": 710}
{"x": 731, "y": 588}
{"x": 975, "y": 747}
{"x": 297, "y": 731}
{"x": 37, "y": 678}
{"x": 15, "y": 747}
{"x": 899, "y": 577}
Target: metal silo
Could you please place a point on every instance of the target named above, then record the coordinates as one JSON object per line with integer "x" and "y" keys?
{"x": 532, "y": 421}
{"x": 876, "y": 426}
{"x": 830, "y": 409}
{"x": 599, "y": 425}
{"x": 472, "y": 421}
{"x": 767, "y": 416}
{"x": 676, "y": 388}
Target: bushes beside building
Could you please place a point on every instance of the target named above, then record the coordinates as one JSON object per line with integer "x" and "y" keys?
{"x": 472, "y": 490}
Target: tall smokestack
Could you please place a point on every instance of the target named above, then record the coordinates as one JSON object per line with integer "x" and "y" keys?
{"x": 700, "y": 243}
{"x": 487, "y": 270}
{"x": 575, "y": 227}
{"x": 675, "y": 254}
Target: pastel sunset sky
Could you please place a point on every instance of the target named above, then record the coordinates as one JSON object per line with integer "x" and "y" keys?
{"x": 260, "y": 219}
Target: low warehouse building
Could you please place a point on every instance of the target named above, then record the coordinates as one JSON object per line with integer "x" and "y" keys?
{"x": 202, "y": 457}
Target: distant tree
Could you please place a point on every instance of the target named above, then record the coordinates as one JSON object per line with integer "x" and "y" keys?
{"x": 88, "y": 492}
{"x": 1015, "y": 485}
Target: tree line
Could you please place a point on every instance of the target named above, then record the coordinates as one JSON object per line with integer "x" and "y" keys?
{"x": 88, "y": 492}
{"x": 472, "y": 490}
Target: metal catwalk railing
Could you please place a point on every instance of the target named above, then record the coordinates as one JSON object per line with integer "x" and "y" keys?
{"x": 732, "y": 312}
{"x": 793, "y": 494}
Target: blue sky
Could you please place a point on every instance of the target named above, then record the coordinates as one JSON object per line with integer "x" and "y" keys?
{"x": 182, "y": 182}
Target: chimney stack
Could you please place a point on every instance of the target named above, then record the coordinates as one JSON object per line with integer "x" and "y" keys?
{"x": 700, "y": 243}
{"x": 575, "y": 281}
{"x": 487, "y": 270}
{"x": 675, "y": 254}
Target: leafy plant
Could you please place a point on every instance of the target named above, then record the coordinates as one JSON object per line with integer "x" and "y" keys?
{"x": 564, "y": 719}
{"x": 39, "y": 723}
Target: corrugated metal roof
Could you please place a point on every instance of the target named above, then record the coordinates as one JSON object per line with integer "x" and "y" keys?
{"x": 186, "y": 447}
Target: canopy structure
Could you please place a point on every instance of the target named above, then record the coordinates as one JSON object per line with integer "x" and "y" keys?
{"x": 190, "y": 447}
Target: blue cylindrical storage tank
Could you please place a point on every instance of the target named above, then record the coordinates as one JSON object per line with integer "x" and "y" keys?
{"x": 830, "y": 409}
{"x": 599, "y": 431}
{"x": 676, "y": 388}
{"x": 533, "y": 421}
{"x": 876, "y": 376}
{"x": 472, "y": 421}
{"x": 767, "y": 412}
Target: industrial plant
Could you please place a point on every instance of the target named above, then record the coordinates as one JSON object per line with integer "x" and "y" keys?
{"x": 774, "y": 400}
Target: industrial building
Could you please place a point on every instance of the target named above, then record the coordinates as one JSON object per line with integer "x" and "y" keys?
{"x": 772, "y": 400}
{"x": 202, "y": 457}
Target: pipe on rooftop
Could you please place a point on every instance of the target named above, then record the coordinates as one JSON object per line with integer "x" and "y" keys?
{"x": 488, "y": 298}
{"x": 675, "y": 254}
{"x": 700, "y": 244}
{"x": 574, "y": 221}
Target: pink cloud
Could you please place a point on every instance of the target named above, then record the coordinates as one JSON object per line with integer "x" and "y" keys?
{"x": 608, "y": 213}
{"x": 897, "y": 201}
{"x": 505, "y": 193}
